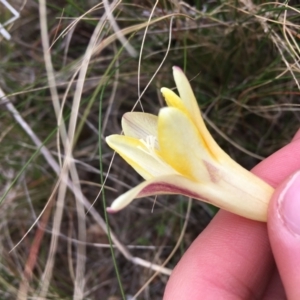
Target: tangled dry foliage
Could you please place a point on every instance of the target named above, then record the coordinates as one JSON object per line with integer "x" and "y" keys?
{"x": 70, "y": 71}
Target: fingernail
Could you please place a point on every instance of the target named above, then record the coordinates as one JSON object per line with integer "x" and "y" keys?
{"x": 289, "y": 204}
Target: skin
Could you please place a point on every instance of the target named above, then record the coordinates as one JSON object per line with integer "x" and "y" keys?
{"x": 233, "y": 258}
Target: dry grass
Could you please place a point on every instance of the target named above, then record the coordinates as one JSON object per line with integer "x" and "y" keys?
{"x": 68, "y": 74}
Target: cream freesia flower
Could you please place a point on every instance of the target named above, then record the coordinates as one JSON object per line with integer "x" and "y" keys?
{"x": 175, "y": 154}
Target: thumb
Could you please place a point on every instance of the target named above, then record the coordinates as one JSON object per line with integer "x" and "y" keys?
{"x": 284, "y": 233}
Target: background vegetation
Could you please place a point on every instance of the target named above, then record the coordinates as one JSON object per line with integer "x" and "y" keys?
{"x": 70, "y": 71}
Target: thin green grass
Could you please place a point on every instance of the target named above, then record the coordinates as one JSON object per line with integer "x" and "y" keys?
{"x": 102, "y": 181}
{"x": 242, "y": 60}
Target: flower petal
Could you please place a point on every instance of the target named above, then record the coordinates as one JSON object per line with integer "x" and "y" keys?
{"x": 229, "y": 197}
{"x": 181, "y": 145}
{"x": 134, "y": 152}
{"x": 139, "y": 125}
{"x": 173, "y": 100}
{"x": 188, "y": 98}
{"x": 172, "y": 184}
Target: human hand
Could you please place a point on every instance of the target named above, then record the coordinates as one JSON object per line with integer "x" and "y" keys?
{"x": 233, "y": 258}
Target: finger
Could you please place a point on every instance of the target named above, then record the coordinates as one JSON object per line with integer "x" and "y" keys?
{"x": 275, "y": 289}
{"x": 284, "y": 233}
{"x": 232, "y": 258}
{"x": 281, "y": 164}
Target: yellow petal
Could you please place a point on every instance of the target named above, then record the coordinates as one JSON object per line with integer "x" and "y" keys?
{"x": 173, "y": 100}
{"x": 139, "y": 125}
{"x": 134, "y": 152}
{"x": 181, "y": 145}
{"x": 186, "y": 93}
{"x": 189, "y": 101}
{"x": 230, "y": 197}
{"x": 173, "y": 184}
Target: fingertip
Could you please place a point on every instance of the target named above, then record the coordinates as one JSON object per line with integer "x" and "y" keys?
{"x": 284, "y": 233}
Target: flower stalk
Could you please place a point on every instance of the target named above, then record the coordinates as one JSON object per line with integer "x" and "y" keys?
{"x": 175, "y": 154}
